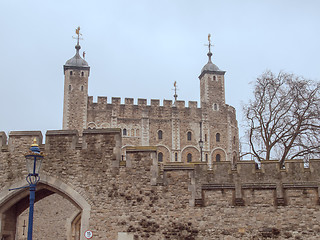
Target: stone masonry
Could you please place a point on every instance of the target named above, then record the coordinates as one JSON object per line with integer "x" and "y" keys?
{"x": 171, "y": 126}
{"x": 142, "y": 199}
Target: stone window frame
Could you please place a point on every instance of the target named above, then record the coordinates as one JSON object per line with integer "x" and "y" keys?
{"x": 189, "y": 136}
{"x": 218, "y": 137}
{"x": 218, "y": 157}
{"x": 189, "y": 157}
{"x": 160, "y": 134}
{"x": 124, "y": 132}
{"x": 176, "y": 157}
{"x": 160, "y": 157}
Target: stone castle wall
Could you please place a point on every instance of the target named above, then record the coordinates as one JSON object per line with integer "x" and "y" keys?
{"x": 142, "y": 123}
{"x": 141, "y": 199}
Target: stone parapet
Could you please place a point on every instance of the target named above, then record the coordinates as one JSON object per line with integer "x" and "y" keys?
{"x": 3, "y": 139}
{"x": 150, "y": 191}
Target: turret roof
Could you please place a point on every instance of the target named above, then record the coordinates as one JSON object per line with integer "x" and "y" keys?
{"x": 77, "y": 60}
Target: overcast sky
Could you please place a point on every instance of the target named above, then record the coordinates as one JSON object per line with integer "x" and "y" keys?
{"x": 139, "y": 48}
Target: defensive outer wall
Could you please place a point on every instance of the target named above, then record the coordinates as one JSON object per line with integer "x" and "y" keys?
{"x": 144, "y": 200}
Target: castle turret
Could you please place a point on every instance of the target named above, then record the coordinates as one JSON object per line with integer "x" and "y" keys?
{"x": 212, "y": 93}
{"x": 76, "y": 74}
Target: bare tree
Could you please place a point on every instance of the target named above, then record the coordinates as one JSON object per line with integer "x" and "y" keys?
{"x": 283, "y": 119}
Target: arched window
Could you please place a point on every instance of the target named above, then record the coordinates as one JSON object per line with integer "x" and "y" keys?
{"x": 189, "y": 136}
{"x": 218, "y": 137}
{"x": 234, "y": 140}
{"x": 82, "y": 74}
{"x": 70, "y": 73}
{"x": 159, "y": 134}
{"x": 81, "y": 88}
{"x": 189, "y": 157}
{"x": 214, "y": 78}
{"x": 160, "y": 157}
{"x": 218, "y": 158}
{"x": 215, "y": 107}
{"x": 69, "y": 87}
{"x": 206, "y": 157}
{"x": 176, "y": 157}
{"x": 124, "y": 132}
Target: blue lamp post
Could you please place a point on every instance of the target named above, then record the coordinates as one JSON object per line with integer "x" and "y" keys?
{"x": 34, "y": 159}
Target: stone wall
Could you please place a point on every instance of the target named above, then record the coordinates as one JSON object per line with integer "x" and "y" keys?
{"x": 141, "y": 199}
{"x": 142, "y": 123}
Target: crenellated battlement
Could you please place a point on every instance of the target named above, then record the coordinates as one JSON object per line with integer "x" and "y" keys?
{"x": 222, "y": 172}
{"x": 116, "y": 101}
{"x": 91, "y": 165}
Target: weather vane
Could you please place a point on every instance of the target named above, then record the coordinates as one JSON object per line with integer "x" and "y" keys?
{"x": 209, "y": 44}
{"x": 78, "y": 35}
{"x": 175, "y": 91}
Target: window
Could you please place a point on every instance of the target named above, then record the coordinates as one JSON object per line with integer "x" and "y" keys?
{"x": 160, "y": 157}
{"x": 214, "y": 78}
{"x": 234, "y": 140}
{"x": 81, "y": 88}
{"x": 124, "y": 132}
{"x": 189, "y": 157}
{"x": 189, "y": 136}
{"x": 82, "y": 74}
{"x": 218, "y": 137}
{"x": 218, "y": 158}
{"x": 215, "y": 107}
{"x": 159, "y": 134}
{"x": 206, "y": 157}
{"x": 70, "y": 73}
{"x": 176, "y": 157}
{"x": 69, "y": 87}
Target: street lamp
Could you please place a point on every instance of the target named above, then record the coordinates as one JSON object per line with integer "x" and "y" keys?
{"x": 33, "y": 159}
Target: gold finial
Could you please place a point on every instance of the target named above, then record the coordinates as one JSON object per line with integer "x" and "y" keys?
{"x": 78, "y": 31}
{"x": 209, "y": 40}
{"x": 34, "y": 143}
{"x": 78, "y": 35}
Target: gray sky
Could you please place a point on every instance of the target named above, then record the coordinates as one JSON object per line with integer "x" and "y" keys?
{"x": 139, "y": 48}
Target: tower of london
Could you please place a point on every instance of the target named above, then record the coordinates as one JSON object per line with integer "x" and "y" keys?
{"x": 208, "y": 133}
{"x": 152, "y": 171}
